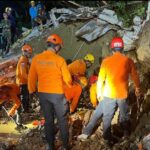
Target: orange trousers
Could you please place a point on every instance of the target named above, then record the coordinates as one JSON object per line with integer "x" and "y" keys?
{"x": 72, "y": 95}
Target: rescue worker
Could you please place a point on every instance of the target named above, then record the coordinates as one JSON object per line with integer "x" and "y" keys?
{"x": 112, "y": 87}
{"x": 113, "y": 76}
{"x": 9, "y": 92}
{"x": 73, "y": 94}
{"x": 50, "y": 71}
{"x": 6, "y": 34}
{"x": 78, "y": 67}
{"x": 22, "y": 71}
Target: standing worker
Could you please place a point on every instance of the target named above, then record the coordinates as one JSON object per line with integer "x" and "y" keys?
{"x": 78, "y": 67}
{"x": 113, "y": 77}
{"x": 22, "y": 75}
{"x": 112, "y": 88}
{"x": 50, "y": 71}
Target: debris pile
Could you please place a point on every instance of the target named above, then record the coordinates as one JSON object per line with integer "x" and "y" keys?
{"x": 99, "y": 23}
{"x": 8, "y": 70}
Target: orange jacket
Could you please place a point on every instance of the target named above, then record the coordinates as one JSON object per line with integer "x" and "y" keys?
{"x": 22, "y": 70}
{"x": 72, "y": 95}
{"x": 50, "y": 70}
{"x": 77, "y": 68}
{"x": 93, "y": 95}
{"x": 114, "y": 74}
{"x": 10, "y": 93}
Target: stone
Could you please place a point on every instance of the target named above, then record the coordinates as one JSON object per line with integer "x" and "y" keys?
{"x": 143, "y": 51}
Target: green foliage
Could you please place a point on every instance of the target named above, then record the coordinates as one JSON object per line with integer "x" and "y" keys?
{"x": 126, "y": 12}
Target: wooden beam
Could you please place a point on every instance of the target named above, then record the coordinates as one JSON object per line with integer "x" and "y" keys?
{"x": 75, "y": 4}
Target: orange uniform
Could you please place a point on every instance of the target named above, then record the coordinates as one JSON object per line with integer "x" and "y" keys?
{"x": 72, "y": 95}
{"x": 50, "y": 70}
{"x": 10, "y": 92}
{"x": 77, "y": 68}
{"x": 114, "y": 73}
{"x": 22, "y": 70}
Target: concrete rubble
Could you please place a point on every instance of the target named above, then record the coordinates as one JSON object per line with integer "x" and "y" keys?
{"x": 146, "y": 142}
{"x": 99, "y": 24}
{"x": 101, "y": 21}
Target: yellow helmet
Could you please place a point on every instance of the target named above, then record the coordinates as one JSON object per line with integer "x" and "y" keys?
{"x": 83, "y": 81}
{"x": 89, "y": 57}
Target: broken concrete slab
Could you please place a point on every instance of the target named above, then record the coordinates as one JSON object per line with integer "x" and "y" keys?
{"x": 94, "y": 29}
{"x": 110, "y": 17}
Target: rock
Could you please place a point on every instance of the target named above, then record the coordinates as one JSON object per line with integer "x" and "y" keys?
{"x": 37, "y": 103}
{"x": 146, "y": 142}
{"x": 87, "y": 117}
{"x": 31, "y": 134}
{"x": 33, "y": 105}
{"x": 143, "y": 51}
{"x": 37, "y": 109}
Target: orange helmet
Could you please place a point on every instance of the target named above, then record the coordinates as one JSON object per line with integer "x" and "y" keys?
{"x": 83, "y": 81}
{"x": 27, "y": 48}
{"x": 55, "y": 39}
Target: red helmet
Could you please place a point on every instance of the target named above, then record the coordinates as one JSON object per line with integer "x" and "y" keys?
{"x": 55, "y": 39}
{"x": 117, "y": 43}
{"x": 27, "y": 48}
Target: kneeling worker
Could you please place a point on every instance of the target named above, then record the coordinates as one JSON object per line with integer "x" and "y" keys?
{"x": 9, "y": 92}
